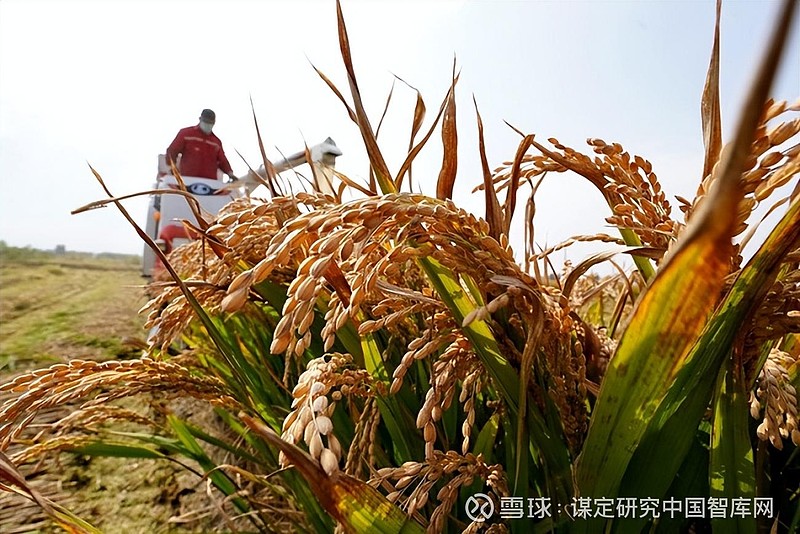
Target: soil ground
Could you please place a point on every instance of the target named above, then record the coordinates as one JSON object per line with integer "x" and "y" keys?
{"x": 54, "y": 308}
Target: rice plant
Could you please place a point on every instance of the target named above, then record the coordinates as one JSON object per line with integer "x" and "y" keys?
{"x": 384, "y": 364}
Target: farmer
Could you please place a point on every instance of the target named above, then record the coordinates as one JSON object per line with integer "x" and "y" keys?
{"x": 201, "y": 151}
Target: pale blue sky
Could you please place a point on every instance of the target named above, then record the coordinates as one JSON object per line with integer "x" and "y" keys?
{"x": 110, "y": 83}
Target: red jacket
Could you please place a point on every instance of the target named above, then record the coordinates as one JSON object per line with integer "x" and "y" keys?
{"x": 201, "y": 153}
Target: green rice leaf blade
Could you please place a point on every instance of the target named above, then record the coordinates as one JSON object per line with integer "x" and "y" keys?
{"x": 116, "y": 450}
{"x": 691, "y": 482}
{"x": 219, "y": 478}
{"x": 487, "y": 437}
{"x": 505, "y": 378}
{"x": 732, "y": 470}
{"x": 687, "y": 400}
{"x": 662, "y": 330}
{"x": 397, "y": 419}
{"x": 671, "y": 314}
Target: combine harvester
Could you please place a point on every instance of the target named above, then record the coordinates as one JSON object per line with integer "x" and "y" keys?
{"x": 165, "y": 212}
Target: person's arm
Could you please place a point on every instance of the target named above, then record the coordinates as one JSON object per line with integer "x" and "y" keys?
{"x": 175, "y": 148}
{"x": 224, "y": 164}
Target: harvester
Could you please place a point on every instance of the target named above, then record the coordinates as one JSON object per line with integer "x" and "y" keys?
{"x": 166, "y": 211}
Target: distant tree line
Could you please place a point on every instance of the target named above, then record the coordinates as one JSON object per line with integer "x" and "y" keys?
{"x": 28, "y": 253}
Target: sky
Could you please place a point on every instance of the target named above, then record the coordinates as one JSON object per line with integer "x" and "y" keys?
{"x": 109, "y": 84}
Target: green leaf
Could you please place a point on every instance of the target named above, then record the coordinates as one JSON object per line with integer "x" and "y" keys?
{"x": 691, "y": 482}
{"x": 505, "y": 378}
{"x": 688, "y": 398}
{"x": 220, "y": 443}
{"x": 485, "y": 442}
{"x": 116, "y": 450}
{"x": 196, "y": 452}
{"x": 667, "y": 321}
{"x": 396, "y": 418}
{"x": 732, "y": 470}
{"x": 670, "y": 315}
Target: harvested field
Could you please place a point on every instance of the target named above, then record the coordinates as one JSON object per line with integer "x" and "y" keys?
{"x": 56, "y": 308}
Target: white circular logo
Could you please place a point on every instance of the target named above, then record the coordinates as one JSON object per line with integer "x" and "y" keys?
{"x": 479, "y": 507}
{"x": 199, "y": 188}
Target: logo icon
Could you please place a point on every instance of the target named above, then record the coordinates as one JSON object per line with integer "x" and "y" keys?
{"x": 479, "y": 507}
{"x": 199, "y": 188}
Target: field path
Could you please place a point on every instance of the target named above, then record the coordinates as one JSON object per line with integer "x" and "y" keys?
{"x": 57, "y": 308}
{"x": 54, "y": 309}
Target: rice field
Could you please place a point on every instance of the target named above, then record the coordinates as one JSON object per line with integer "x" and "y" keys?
{"x": 384, "y": 364}
{"x": 54, "y": 306}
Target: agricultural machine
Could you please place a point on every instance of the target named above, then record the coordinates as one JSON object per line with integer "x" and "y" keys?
{"x": 166, "y": 211}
